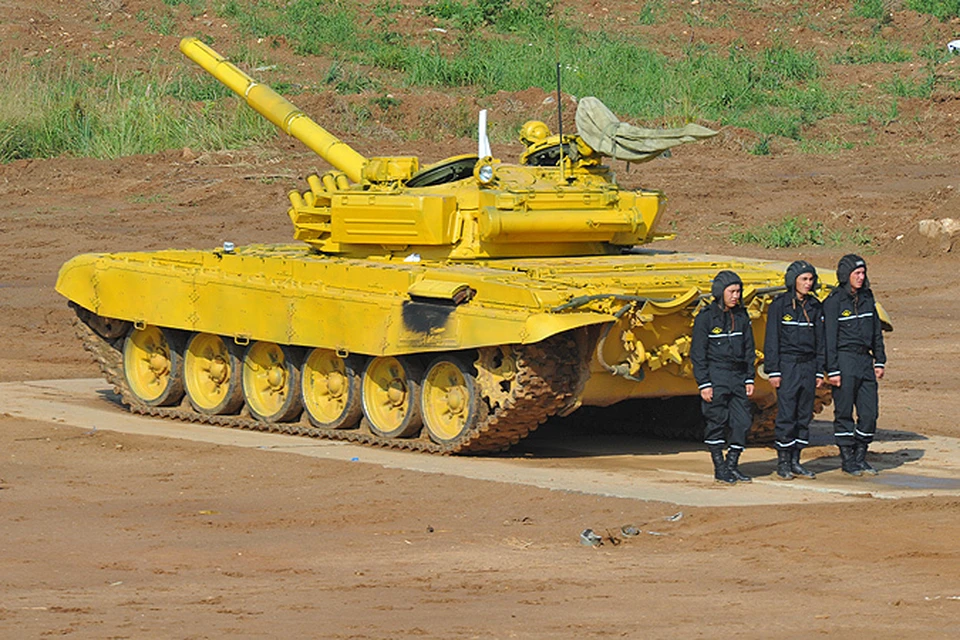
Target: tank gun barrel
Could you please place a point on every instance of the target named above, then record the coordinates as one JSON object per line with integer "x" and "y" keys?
{"x": 277, "y": 109}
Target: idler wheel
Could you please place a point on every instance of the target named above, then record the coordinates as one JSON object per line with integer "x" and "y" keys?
{"x": 211, "y": 372}
{"x": 271, "y": 382}
{"x": 331, "y": 390}
{"x": 390, "y": 394}
{"x": 450, "y": 399}
{"x": 152, "y": 366}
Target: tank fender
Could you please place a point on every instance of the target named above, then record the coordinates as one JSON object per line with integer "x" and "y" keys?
{"x": 541, "y": 326}
{"x": 77, "y": 283}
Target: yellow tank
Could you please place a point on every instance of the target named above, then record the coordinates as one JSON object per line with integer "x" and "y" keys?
{"x": 451, "y": 308}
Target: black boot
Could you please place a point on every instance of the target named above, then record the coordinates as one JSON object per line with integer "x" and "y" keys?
{"x": 860, "y": 457}
{"x": 848, "y": 462}
{"x": 733, "y": 459}
{"x": 797, "y": 469}
{"x": 783, "y": 464}
{"x": 720, "y": 471}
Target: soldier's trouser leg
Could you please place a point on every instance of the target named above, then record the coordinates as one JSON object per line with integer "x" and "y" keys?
{"x": 740, "y": 416}
{"x": 805, "y": 402}
{"x": 844, "y": 396}
{"x": 866, "y": 401}
{"x": 785, "y": 426}
{"x": 795, "y": 403}
{"x": 806, "y": 393}
{"x": 867, "y": 411}
{"x": 716, "y": 414}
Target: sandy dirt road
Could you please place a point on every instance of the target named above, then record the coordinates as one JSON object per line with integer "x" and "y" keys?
{"x": 201, "y": 535}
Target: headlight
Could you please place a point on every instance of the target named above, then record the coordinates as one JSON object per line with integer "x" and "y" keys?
{"x": 484, "y": 173}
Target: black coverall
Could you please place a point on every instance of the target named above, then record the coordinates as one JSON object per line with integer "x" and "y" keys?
{"x": 723, "y": 355}
{"x": 854, "y": 347}
{"x": 794, "y": 350}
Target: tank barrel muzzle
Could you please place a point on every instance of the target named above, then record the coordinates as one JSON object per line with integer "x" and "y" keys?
{"x": 277, "y": 109}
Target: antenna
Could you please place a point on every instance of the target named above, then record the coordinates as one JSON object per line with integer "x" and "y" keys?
{"x": 560, "y": 120}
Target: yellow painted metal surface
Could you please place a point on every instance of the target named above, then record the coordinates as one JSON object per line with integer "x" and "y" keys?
{"x": 290, "y": 295}
{"x": 394, "y": 219}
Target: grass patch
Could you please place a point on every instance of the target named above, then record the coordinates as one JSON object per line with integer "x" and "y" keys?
{"x": 789, "y": 232}
{"x": 81, "y": 112}
{"x": 942, "y": 10}
{"x": 761, "y": 148}
{"x": 873, "y": 51}
{"x": 347, "y": 79}
{"x": 878, "y": 10}
{"x": 470, "y": 15}
{"x": 504, "y": 46}
{"x": 795, "y": 231}
{"x": 650, "y": 13}
{"x": 196, "y": 7}
{"x": 858, "y": 237}
{"x": 511, "y": 46}
{"x": 905, "y": 88}
{"x": 164, "y": 24}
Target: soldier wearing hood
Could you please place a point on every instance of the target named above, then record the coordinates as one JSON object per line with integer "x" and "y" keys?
{"x": 855, "y": 361}
{"x": 794, "y": 359}
{"x": 723, "y": 356}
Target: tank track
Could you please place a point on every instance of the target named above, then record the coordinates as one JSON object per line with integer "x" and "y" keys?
{"x": 547, "y": 376}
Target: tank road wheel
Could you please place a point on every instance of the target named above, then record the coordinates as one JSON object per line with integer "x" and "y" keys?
{"x": 211, "y": 373}
{"x": 271, "y": 382}
{"x": 152, "y": 366}
{"x": 331, "y": 390}
{"x": 449, "y": 400}
{"x": 390, "y": 393}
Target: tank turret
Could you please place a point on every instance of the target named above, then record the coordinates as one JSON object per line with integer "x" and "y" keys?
{"x": 564, "y": 201}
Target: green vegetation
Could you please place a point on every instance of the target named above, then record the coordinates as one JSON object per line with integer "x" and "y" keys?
{"x": 762, "y": 148}
{"x": 943, "y": 10}
{"x": 797, "y": 232}
{"x": 776, "y": 91}
{"x": 872, "y": 9}
{"x": 196, "y": 7}
{"x": 162, "y": 24}
{"x": 872, "y": 51}
{"x": 504, "y": 16}
{"x": 154, "y": 199}
{"x": 489, "y": 46}
{"x": 349, "y": 79}
{"x": 650, "y": 12}
{"x": 901, "y": 88}
{"x": 789, "y": 232}
{"x": 76, "y": 111}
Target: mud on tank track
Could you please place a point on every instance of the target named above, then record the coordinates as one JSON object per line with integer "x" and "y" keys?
{"x": 546, "y": 379}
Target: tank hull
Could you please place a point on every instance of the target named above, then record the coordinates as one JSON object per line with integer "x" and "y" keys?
{"x": 291, "y": 295}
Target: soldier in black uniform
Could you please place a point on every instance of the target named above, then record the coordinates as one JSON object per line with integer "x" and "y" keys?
{"x": 723, "y": 356}
{"x": 794, "y": 358}
{"x": 855, "y": 361}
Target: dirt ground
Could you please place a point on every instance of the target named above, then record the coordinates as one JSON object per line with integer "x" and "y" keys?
{"x": 106, "y": 535}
